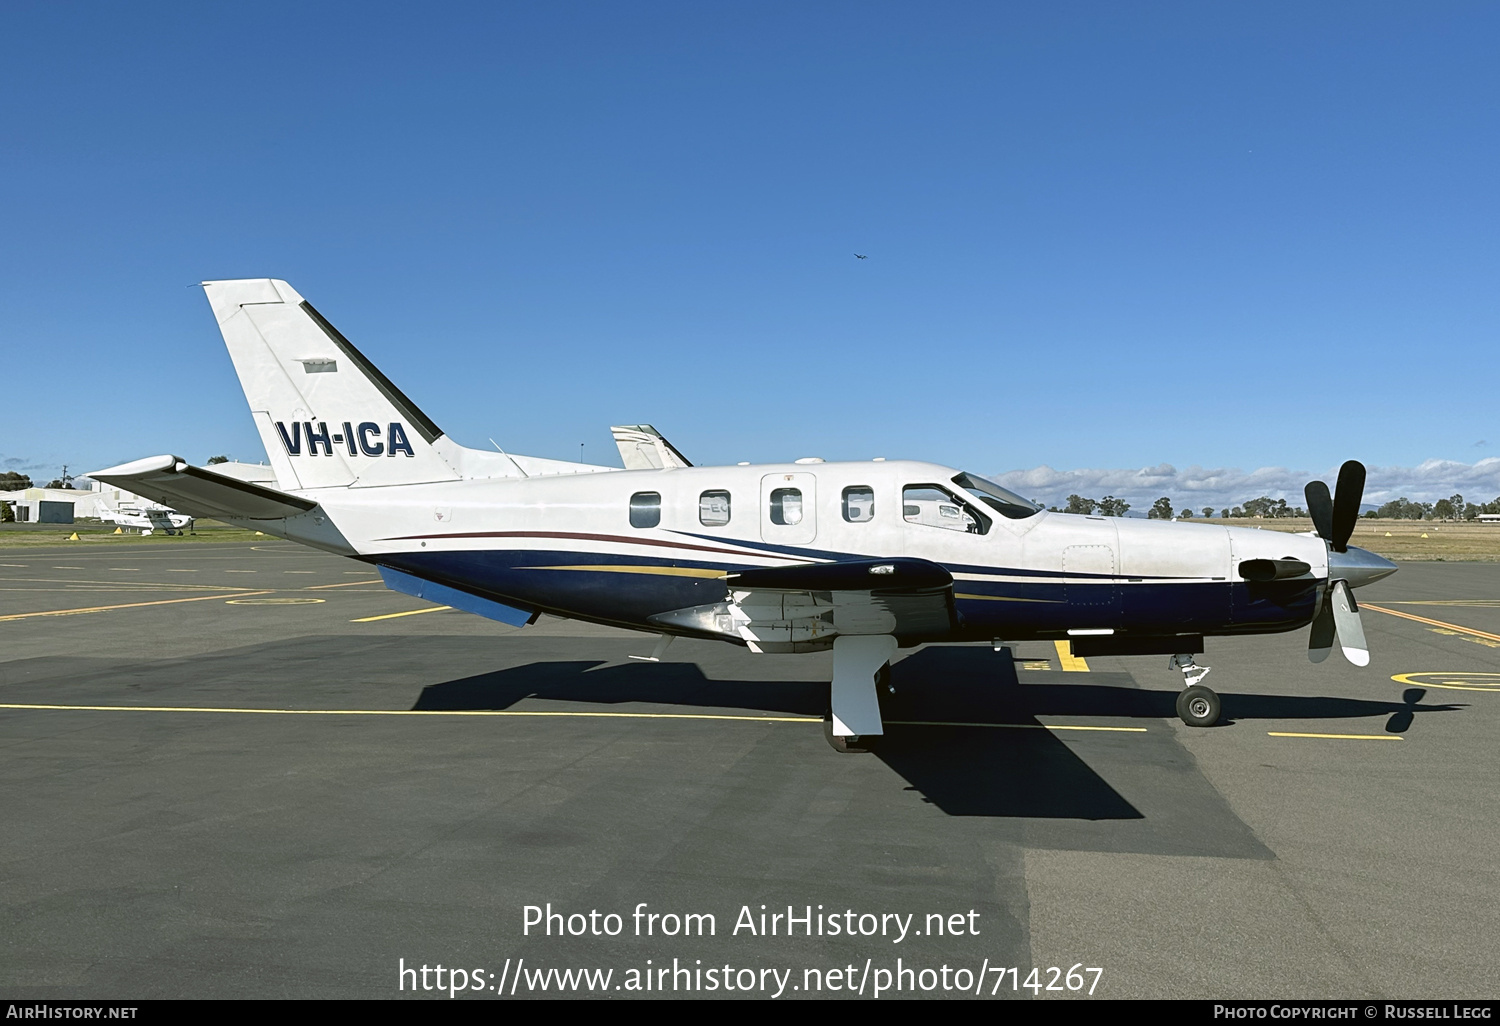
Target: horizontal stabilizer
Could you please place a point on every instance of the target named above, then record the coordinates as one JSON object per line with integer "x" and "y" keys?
{"x": 431, "y": 591}
{"x": 642, "y": 447}
{"x": 174, "y": 482}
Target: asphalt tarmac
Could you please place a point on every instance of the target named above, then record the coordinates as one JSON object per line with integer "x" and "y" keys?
{"x": 250, "y": 771}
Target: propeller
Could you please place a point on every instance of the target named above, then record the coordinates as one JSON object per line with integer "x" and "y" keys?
{"x": 1334, "y": 518}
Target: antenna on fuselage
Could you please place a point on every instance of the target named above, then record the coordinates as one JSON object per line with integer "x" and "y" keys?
{"x": 508, "y": 456}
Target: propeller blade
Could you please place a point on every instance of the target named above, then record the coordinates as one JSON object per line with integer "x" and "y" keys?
{"x": 1347, "y": 497}
{"x": 1320, "y": 507}
{"x": 1351, "y": 630}
{"x": 1320, "y": 641}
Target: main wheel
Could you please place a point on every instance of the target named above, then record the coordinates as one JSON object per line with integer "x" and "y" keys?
{"x": 844, "y": 745}
{"x": 1198, "y": 706}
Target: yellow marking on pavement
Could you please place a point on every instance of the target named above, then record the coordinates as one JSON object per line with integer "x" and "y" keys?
{"x": 1435, "y": 623}
{"x": 346, "y": 584}
{"x": 127, "y": 605}
{"x": 1003, "y": 598}
{"x": 1340, "y": 737}
{"x": 1012, "y": 726}
{"x": 274, "y": 601}
{"x": 1455, "y": 634}
{"x": 413, "y": 712}
{"x": 1457, "y": 681}
{"x": 132, "y": 585}
{"x": 527, "y": 712}
{"x": 1476, "y": 603}
{"x": 409, "y": 612}
{"x": 67, "y": 568}
{"x": 663, "y": 571}
{"x": 1070, "y": 662}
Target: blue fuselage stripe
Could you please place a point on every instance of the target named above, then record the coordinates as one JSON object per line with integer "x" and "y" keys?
{"x": 1011, "y": 609}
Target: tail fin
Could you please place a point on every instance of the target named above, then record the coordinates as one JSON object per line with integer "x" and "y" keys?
{"x": 327, "y": 417}
{"x": 642, "y": 447}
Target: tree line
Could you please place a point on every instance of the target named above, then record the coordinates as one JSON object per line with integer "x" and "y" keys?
{"x": 1452, "y": 508}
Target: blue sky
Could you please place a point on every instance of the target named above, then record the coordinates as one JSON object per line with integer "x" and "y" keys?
{"x": 1100, "y": 235}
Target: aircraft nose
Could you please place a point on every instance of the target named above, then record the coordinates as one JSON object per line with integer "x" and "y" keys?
{"x": 1359, "y": 566}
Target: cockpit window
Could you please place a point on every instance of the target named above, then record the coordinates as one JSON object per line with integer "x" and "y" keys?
{"x": 1002, "y": 500}
{"x": 935, "y": 506}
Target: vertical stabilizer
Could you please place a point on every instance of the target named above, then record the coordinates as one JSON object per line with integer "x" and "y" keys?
{"x": 327, "y": 417}
{"x": 642, "y": 447}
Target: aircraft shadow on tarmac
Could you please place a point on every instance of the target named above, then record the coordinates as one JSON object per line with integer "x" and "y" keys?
{"x": 962, "y": 770}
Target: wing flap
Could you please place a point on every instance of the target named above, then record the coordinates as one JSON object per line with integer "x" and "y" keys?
{"x": 174, "y": 482}
{"x": 802, "y": 608}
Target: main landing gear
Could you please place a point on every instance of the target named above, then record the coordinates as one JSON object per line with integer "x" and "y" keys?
{"x": 1197, "y": 705}
{"x": 861, "y": 677}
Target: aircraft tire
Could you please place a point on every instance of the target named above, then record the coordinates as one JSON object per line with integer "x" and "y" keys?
{"x": 1198, "y": 706}
{"x": 839, "y": 743}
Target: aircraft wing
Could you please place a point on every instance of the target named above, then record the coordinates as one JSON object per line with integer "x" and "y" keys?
{"x": 809, "y": 605}
{"x": 642, "y": 447}
{"x": 202, "y": 493}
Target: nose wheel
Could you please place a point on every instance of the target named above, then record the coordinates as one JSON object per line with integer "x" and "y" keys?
{"x": 844, "y": 744}
{"x": 1198, "y": 706}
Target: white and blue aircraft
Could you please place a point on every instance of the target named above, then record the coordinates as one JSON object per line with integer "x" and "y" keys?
{"x": 862, "y": 558}
{"x": 147, "y": 517}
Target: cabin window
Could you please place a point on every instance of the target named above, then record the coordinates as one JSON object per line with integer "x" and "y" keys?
{"x": 713, "y": 509}
{"x": 859, "y": 504}
{"x": 932, "y": 506}
{"x": 645, "y": 509}
{"x": 786, "y": 506}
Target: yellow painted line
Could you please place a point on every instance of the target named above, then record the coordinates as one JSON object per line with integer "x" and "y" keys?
{"x": 409, "y": 612}
{"x": 527, "y": 712}
{"x": 1013, "y": 726}
{"x": 346, "y": 584}
{"x": 116, "y": 583}
{"x": 1435, "y": 623}
{"x": 411, "y": 712}
{"x": 130, "y": 605}
{"x": 1069, "y": 661}
{"x": 665, "y": 571}
{"x": 1465, "y": 681}
{"x": 1006, "y": 598}
{"x": 1473, "y": 603}
{"x": 1340, "y": 737}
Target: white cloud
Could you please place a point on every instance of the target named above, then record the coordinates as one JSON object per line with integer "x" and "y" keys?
{"x": 1229, "y": 486}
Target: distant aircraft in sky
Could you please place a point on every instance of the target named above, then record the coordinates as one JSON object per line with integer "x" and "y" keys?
{"x": 860, "y": 256}
{"x": 861, "y": 558}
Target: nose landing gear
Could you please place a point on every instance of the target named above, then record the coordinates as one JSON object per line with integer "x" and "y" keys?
{"x": 1198, "y": 706}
